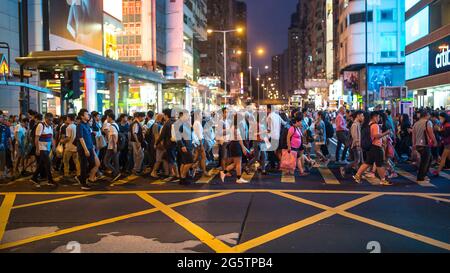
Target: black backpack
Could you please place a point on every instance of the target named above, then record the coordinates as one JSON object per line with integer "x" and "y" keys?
{"x": 366, "y": 140}
{"x": 121, "y": 139}
{"x": 283, "y": 136}
{"x": 329, "y": 129}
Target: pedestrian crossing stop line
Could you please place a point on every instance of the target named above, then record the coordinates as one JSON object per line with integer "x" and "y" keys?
{"x": 328, "y": 176}
{"x": 413, "y": 178}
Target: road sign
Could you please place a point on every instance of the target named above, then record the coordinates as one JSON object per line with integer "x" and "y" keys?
{"x": 4, "y": 67}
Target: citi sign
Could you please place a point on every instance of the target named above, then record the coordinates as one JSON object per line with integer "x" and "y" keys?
{"x": 443, "y": 58}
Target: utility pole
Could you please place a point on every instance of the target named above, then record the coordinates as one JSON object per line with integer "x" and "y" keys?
{"x": 23, "y": 41}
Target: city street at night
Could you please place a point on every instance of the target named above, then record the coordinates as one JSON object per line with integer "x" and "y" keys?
{"x": 224, "y": 135}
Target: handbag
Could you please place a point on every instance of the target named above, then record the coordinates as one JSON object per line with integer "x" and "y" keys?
{"x": 288, "y": 160}
{"x": 100, "y": 141}
{"x": 59, "y": 150}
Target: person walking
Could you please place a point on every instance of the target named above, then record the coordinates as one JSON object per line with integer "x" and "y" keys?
{"x": 89, "y": 162}
{"x": 70, "y": 149}
{"x": 112, "y": 152}
{"x": 375, "y": 155}
{"x": 445, "y": 136}
{"x": 355, "y": 132}
{"x": 43, "y": 143}
{"x": 137, "y": 140}
{"x": 342, "y": 136}
{"x": 294, "y": 142}
{"x": 423, "y": 139}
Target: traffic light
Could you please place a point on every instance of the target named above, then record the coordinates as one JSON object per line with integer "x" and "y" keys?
{"x": 70, "y": 85}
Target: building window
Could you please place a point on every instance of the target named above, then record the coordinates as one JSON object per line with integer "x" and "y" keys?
{"x": 360, "y": 17}
{"x": 387, "y": 15}
{"x": 388, "y": 45}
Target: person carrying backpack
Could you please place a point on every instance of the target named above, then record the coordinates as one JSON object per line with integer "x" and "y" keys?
{"x": 375, "y": 154}
{"x": 356, "y": 149}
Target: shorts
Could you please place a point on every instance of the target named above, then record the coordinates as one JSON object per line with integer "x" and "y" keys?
{"x": 235, "y": 149}
{"x": 171, "y": 155}
{"x": 298, "y": 150}
{"x": 375, "y": 156}
{"x": 186, "y": 158}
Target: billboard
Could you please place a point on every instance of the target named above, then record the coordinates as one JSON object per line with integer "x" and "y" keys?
{"x": 439, "y": 57}
{"x": 76, "y": 24}
{"x": 113, "y": 8}
{"x": 392, "y": 75}
{"x": 351, "y": 81}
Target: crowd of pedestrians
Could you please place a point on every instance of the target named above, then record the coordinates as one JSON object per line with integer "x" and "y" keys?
{"x": 178, "y": 146}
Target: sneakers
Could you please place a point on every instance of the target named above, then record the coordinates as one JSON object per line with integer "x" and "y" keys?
{"x": 77, "y": 181}
{"x": 85, "y": 187}
{"x": 357, "y": 179}
{"x": 384, "y": 182}
{"x": 117, "y": 176}
{"x": 241, "y": 181}
{"x": 342, "y": 171}
{"x": 222, "y": 176}
{"x": 35, "y": 182}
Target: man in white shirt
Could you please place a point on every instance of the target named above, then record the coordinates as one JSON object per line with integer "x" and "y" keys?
{"x": 199, "y": 143}
{"x": 44, "y": 142}
{"x": 274, "y": 123}
{"x": 70, "y": 149}
{"x": 112, "y": 154}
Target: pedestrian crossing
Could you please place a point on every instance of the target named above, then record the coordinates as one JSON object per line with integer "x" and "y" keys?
{"x": 326, "y": 176}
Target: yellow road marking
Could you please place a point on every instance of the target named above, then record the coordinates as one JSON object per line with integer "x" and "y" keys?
{"x": 302, "y": 223}
{"x": 214, "y": 191}
{"x": 412, "y": 178}
{"x": 104, "y": 222}
{"x": 328, "y": 176}
{"x": 434, "y": 198}
{"x": 287, "y": 178}
{"x": 204, "y": 236}
{"x": 5, "y": 210}
{"x": 125, "y": 180}
{"x": 206, "y": 180}
{"x": 342, "y": 211}
{"x": 397, "y": 230}
{"x": 52, "y": 201}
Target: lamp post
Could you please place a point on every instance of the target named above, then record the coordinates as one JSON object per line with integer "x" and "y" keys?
{"x": 224, "y": 32}
{"x": 366, "y": 56}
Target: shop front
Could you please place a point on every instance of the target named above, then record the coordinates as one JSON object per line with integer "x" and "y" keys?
{"x": 428, "y": 74}
{"x": 87, "y": 80}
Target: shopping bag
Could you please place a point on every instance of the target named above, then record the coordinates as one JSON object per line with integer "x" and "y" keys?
{"x": 288, "y": 160}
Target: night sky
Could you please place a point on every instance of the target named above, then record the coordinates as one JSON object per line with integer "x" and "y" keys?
{"x": 268, "y": 22}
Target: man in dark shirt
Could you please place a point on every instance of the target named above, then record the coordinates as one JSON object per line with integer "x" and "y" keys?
{"x": 89, "y": 162}
{"x": 166, "y": 139}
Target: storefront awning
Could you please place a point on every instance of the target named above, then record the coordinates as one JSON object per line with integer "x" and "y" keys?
{"x": 61, "y": 59}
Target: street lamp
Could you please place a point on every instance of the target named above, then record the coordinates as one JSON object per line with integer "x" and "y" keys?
{"x": 224, "y": 32}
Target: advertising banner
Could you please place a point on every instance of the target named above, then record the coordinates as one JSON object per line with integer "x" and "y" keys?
{"x": 351, "y": 81}
{"x": 79, "y": 22}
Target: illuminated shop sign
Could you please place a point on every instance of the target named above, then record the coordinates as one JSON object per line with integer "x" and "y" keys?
{"x": 439, "y": 57}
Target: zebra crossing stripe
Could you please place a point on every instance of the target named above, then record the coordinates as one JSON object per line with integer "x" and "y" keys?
{"x": 205, "y": 179}
{"x": 328, "y": 176}
{"x": 413, "y": 178}
{"x": 444, "y": 175}
{"x": 287, "y": 178}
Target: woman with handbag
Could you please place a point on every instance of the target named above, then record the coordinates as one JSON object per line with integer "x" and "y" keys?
{"x": 294, "y": 142}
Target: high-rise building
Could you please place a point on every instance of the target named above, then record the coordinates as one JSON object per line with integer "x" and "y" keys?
{"x": 185, "y": 23}
{"x": 428, "y": 52}
{"x": 226, "y": 15}
{"x": 293, "y": 51}
{"x": 137, "y": 43}
{"x": 385, "y": 53}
